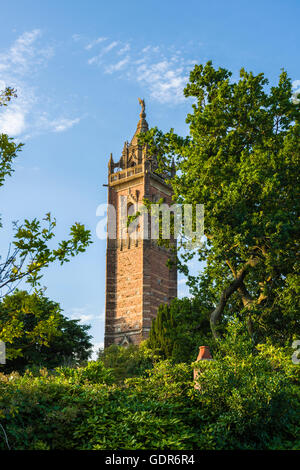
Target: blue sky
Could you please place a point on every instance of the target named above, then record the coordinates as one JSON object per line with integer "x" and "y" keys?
{"x": 79, "y": 67}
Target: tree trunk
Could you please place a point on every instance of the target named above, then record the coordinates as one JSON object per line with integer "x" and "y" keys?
{"x": 233, "y": 287}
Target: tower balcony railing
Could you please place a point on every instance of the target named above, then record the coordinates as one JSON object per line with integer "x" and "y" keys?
{"x": 126, "y": 173}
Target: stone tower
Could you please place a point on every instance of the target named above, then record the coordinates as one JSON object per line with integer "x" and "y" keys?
{"x": 137, "y": 278}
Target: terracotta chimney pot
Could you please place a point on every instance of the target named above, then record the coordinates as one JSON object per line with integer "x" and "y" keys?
{"x": 204, "y": 355}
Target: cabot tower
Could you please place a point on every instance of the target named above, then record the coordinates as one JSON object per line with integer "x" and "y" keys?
{"x": 137, "y": 277}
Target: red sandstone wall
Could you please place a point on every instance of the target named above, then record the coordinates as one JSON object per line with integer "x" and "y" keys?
{"x": 138, "y": 280}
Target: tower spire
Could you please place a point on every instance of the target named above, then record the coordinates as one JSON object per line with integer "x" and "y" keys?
{"x": 142, "y": 125}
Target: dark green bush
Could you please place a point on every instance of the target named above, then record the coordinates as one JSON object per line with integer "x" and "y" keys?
{"x": 179, "y": 329}
{"x": 249, "y": 395}
{"x": 248, "y": 399}
{"x": 127, "y": 362}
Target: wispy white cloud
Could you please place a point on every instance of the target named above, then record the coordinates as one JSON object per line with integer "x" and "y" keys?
{"x": 125, "y": 48}
{"x": 13, "y": 118}
{"x": 148, "y": 49}
{"x": 94, "y": 43}
{"x": 164, "y": 73}
{"x": 76, "y": 37}
{"x": 97, "y": 59}
{"x": 22, "y": 59}
{"x": 12, "y": 121}
{"x": 84, "y": 314}
{"x": 118, "y": 66}
{"x": 28, "y": 113}
{"x": 164, "y": 80}
{"x": 296, "y": 88}
{"x": 44, "y": 123}
{"x": 24, "y": 54}
{"x": 109, "y": 47}
{"x": 96, "y": 347}
{"x": 63, "y": 124}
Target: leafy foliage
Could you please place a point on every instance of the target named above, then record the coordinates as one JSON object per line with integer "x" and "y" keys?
{"x": 37, "y": 334}
{"x": 8, "y": 149}
{"x": 249, "y": 394}
{"x": 30, "y": 252}
{"x": 179, "y": 329}
{"x": 248, "y": 399}
{"x": 94, "y": 372}
{"x": 127, "y": 362}
{"x": 241, "y": 161}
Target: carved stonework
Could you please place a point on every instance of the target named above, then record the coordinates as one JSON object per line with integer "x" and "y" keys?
{"x": 125, "y": 342}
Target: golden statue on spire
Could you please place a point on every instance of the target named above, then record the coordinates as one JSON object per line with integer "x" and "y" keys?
{"x": 142, "y": 103}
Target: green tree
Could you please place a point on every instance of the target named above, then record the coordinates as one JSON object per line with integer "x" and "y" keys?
{"x": 29, "y": 252}
{"x": 241, "y": 160}
{"x": 42, "y": 336}
{"x": 179, "y": 329}
{"x": 8, "y": 149}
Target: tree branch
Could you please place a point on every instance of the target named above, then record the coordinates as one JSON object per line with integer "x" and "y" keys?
{"x": 233, "y": 287}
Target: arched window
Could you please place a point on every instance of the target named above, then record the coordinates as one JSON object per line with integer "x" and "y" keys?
{"x": 130, "y": 212}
